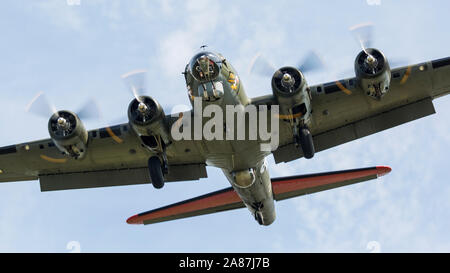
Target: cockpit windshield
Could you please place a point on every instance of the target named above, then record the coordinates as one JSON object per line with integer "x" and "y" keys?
{"x": 205, "y": 66}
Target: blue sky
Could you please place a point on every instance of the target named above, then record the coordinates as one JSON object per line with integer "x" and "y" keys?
{"x": 78, "y": 52}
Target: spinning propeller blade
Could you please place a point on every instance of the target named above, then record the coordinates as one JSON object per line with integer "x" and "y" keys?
{"x": 363, "y": 33}
{"x": 311, "y": 62}
{"x": 135, "y": 81}
{"x": 41, "y": 106}
{"x": 261, "y": 66}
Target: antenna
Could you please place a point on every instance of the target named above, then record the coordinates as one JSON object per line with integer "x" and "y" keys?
{"x": 203, "y": 47}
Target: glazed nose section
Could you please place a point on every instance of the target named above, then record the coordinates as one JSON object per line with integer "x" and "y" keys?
{"x": 205, "y": 66}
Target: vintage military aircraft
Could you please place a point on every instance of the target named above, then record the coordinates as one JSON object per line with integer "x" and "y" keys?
{"x": 309, "y": 119}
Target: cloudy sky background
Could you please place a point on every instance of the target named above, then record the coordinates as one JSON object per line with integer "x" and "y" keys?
{"x": 76, "y": 52}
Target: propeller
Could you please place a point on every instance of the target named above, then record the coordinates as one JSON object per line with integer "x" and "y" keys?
{"x": 363, "y": 33}
{"x": 312, "y": 61}
{"x": 62, "y": 123}
{"x": 261, "y": 66}
{"x": 41, "y": 106}
{"x": 135, "y": 81}
{"x": 89, "y": 110}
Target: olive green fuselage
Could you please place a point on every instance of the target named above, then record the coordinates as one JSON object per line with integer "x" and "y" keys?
{"x": 242, "y": 161}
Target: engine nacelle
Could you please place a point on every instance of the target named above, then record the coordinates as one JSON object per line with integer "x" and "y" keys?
{"x": 373, "y": 73}
{"x": 146, "y": 117}
{"x": 68, "y": 133}
{"x": 294, "y": 98}
{"x": 291, "y": 90}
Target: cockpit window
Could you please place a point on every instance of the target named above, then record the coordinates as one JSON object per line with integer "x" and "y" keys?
{"x": 205, "y": 66}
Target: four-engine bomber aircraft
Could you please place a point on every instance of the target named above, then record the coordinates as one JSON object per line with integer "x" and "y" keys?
{"x": 308, "y": 119}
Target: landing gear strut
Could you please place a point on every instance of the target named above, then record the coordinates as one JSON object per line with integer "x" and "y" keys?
{"x": 305, "y": 140}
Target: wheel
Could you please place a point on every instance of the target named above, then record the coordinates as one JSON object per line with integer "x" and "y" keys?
{"x": 306, "y": 142}
{"x": 155, "y": 170}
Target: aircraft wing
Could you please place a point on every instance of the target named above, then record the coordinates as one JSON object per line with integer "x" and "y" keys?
{"x": 114, "y": 158}
{"x": 283, "y": 188}
{"x": 342, "y": 112}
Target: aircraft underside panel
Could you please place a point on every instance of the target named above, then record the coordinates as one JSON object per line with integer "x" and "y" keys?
{"x": 115, "y": 157}
{"x": 359, "y": 129}
{"x": 122, "y": 177}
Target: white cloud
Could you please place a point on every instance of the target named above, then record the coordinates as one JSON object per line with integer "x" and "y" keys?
{"x": 61, "y": 14}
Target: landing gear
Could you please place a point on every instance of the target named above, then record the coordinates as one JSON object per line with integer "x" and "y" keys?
{"x": 156, "y": 172}
{"x": 258, "y": 214}
{"x": 305, "y": 140}
{"x": 259, "y": 218}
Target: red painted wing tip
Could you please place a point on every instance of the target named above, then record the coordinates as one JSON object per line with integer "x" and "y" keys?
{"x": 134, "y": 220}
{"x": 383, "y": 170}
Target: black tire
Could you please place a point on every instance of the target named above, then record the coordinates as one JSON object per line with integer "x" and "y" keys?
{"x": 306, "y": 142}
{"x": 155, "y": 170}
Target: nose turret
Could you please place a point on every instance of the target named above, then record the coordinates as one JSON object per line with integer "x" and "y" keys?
{"x": 205, "y": 66}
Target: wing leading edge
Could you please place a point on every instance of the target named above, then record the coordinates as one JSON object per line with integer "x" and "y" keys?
{"x": 283, "y": 188}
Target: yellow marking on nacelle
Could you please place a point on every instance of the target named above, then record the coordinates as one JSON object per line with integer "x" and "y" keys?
{"x": 111, "y": 134}
{"x": 290, "y": 116}
{"x": 406, "y": 76}
{"x": 179, "y": 120}
{"x": 54, "y": 160}
{"x": 343, "y": 89}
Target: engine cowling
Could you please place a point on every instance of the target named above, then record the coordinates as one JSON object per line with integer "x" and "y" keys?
{"x": 291, "y": 90}
{"x": 373, "y": 73}
{"x": 68, "y": 133}
{"x": 146, "y": 117}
